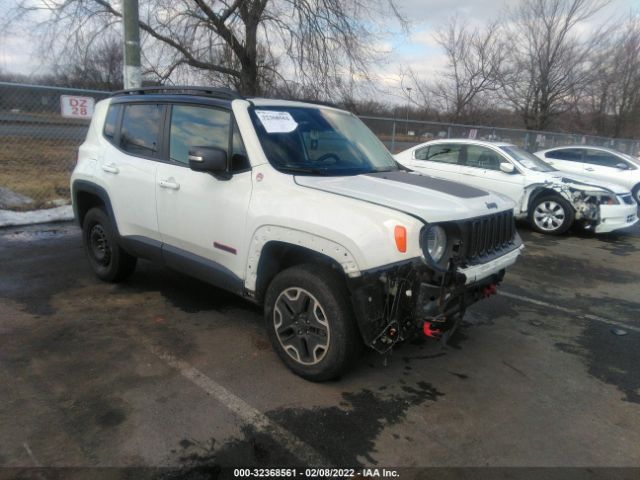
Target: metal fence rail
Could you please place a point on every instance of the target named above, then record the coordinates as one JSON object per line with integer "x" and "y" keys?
{"x": 399, "y": 135}
{"x": 38, "y": 145}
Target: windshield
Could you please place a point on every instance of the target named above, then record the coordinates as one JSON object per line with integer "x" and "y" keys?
{"x": 528, "y": 160}
{"x": 319, "y": 141}
{"x": 634, "y": 160}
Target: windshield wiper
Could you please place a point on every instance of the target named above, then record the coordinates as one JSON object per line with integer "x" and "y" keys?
{"x": 314, "y": 171}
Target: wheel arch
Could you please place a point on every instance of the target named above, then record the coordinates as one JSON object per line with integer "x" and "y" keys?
{"x": 274, "y": 249}
{"x": 544, "y": 190}
{"x": 87, "y": 195}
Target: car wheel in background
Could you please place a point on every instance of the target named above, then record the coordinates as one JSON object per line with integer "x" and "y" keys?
{"x": 310, "y": 322}
{"x": 107, "y": 259}
{"x": 551, "y": 214}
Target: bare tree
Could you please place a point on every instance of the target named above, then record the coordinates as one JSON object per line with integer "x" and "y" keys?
{"x": 548, "y": 64}
{"x": 474, "y": 61}
{"x": 624, "y": 91}
{"x": 475, "y": 58}
{"x": 95, "y": 63}
{"x": 239, "y": 41}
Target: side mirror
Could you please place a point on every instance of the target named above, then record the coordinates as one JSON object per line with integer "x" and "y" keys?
{"x": 208, "y": 159}
{"x": 507, "y": 167}
{"x": 622, "y": 166}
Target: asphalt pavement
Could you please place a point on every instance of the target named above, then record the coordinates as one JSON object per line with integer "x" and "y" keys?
{"x": 166, "y": 371}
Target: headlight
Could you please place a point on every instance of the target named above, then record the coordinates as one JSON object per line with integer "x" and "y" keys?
{"x": 436, "y": 242}
{"x": 603, "y": 198}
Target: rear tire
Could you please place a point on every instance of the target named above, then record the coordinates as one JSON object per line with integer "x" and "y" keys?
{"x": 551, "y": 215}
{"x": 107, "y": 259}
{"x": 310, "y": 322}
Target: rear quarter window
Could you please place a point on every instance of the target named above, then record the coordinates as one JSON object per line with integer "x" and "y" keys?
{"x": 111, "y": 122}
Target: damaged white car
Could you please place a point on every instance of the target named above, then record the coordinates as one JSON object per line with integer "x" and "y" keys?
{"x": 550, "y": 200}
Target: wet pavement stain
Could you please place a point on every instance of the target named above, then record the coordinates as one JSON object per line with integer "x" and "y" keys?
{"x": 560, "y": 269}
{"x": 609, "y": 358}
{"x": 186, "y": 294}
{"x": 344, "y": 435}
{"x": 621, "y": 246}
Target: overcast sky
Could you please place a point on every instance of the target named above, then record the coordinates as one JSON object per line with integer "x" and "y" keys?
{"x": 19, "y": 52}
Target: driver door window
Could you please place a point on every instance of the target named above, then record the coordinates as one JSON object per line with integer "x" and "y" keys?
{"x": 482, "y": 157}
{"x": 602, "y": 159}
{"x": 197, "y": 127}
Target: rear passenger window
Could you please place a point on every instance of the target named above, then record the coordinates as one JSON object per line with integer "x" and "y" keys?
{"x": 444, "y": 153}
{"x": 110, "y": 123}
{"x": 197, "y": 127}
{"x": 141, "y": 129}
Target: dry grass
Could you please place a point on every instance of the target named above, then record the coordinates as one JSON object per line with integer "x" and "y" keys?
{"x": 38, "y": 168}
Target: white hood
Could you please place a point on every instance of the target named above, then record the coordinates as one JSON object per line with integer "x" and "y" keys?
{"x": 431, "y": 199}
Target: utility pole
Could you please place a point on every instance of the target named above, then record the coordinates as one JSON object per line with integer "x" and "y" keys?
{"x": 131, "y": 71}
{"x": 408, "y": 106}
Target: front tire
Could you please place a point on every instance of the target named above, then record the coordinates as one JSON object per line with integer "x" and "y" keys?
{"x": 310, "y": 322}
{"x": 107, "y": 259}
{"x": 551, "y": 215}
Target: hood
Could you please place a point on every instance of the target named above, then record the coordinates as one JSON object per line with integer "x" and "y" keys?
{"x": 428, "y": 198}
{"x": 580, "y": 182}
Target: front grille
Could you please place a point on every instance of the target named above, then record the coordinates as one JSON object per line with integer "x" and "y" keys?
{"x": 628, "y": 199}
{"x": 487, "y": 235}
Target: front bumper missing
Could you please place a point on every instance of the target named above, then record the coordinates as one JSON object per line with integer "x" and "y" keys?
{"x": 615, "y": 217}
{"x": 398, "y": 302}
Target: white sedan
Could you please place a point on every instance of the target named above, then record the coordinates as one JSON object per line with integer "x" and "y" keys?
{"x": 599, "y": 163}
{"x": 550, "y": 200}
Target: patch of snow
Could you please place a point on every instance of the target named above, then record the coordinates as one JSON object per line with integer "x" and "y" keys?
{"x": 58, "y": 214}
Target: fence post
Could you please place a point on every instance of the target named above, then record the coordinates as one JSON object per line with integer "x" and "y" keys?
{"x": 526, "y": 141}
{"x": 393, "y": 138}
{"x": 449, "y": 131}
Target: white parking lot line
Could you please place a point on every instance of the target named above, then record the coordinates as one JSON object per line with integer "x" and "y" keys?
{"x": 33, "y": 458}
{"x": 298, "y": 448}
{"x": 575, "y": 313}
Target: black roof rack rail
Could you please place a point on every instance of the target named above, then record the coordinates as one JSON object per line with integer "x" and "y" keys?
{"x": 317, "y": 102}
{"x": 217, "y": 92}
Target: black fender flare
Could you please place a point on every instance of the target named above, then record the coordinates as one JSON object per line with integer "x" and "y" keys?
{"x": 93, "y": 189}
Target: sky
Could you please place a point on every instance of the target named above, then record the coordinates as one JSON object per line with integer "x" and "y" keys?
{"x": 420, "y": 52}
{"x": 19, "y": 52}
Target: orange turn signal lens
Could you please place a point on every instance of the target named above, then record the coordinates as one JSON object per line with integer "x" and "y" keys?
{"x": 400, "y": 234}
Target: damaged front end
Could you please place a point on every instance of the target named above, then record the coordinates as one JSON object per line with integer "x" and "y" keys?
{"x": 399, "y": 301}
{"x": 586, "y": 199}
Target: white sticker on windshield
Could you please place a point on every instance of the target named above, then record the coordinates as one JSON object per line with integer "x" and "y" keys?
{"x": 276, "y": 122}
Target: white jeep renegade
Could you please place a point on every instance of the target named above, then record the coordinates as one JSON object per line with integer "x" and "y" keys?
{"x": 294, "y": 206}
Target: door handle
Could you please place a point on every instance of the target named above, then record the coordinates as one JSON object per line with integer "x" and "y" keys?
{"x": 169, "y": 183}
{"x": 589, "y": 169}
{"x": 110, "y": 168}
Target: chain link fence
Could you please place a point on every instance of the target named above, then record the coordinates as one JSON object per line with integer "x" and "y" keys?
{"x": 41, "y": 128}
{"x": 38, "y": 144}
{"x": 400, "y": 134}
